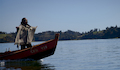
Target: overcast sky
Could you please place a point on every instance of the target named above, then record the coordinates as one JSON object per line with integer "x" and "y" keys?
{"x": 56, "y": 15}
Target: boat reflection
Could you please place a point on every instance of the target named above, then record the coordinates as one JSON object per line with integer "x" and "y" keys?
{"x": 26, "y": 65}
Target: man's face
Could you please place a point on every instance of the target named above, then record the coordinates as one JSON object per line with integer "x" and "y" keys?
{"x": 25, "y": 21}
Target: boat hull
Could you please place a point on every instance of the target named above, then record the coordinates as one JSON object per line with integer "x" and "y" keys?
{"x": 42, "y": 54}
{"x": 36, "y": 52}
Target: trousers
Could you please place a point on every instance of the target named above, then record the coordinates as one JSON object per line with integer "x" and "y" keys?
{"x": 23, "y": 46}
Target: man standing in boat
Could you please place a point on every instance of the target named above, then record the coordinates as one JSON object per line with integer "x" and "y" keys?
{"x": 25, "y": 34}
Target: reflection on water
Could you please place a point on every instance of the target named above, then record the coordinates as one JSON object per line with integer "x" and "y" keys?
{"x": 25, "y": 65}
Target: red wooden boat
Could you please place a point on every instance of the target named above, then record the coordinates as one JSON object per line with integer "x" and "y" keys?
{"x": 36, "y": 52}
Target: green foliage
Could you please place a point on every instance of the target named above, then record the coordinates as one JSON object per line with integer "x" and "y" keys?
{"x": 2, "y": 35}
{"x": 7, "y": 37}
{"x": 112, "y": 32}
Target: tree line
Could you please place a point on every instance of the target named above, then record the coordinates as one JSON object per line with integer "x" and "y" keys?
{"x": 109, "y": 32}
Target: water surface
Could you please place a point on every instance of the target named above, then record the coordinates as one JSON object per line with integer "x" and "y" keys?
{"x": 100, "y": 54}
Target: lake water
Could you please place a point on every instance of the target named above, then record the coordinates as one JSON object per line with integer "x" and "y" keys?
{"x": 100, "y": 54}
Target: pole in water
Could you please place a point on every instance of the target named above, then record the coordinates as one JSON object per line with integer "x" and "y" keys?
{"x": 9, "y": 49}
{"x": 6, "y": 49}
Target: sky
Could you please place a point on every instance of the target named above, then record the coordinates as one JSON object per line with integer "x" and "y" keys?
{"x": 60, "y": 15}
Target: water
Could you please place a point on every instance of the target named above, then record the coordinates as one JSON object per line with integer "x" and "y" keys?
{"x": 100, "y": 54}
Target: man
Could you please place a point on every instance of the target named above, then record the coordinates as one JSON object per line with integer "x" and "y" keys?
{"x": 25, "y": 34}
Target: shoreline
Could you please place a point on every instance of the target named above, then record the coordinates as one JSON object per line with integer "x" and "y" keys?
{"x": 66, "y": 40}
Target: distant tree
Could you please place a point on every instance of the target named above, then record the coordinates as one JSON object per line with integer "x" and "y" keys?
{"x": 91, "y": 30}
{"x": 107, "y": 28}
{"x": 2, "y": 32}
{"x": 116, "y": 26}
{"x": 95, "y": 29}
